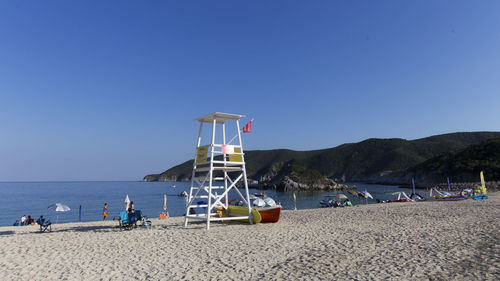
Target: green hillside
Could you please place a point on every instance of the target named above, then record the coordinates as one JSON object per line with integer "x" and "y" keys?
{"x": 372, "y": 160}
{"x": 463, "y": 165}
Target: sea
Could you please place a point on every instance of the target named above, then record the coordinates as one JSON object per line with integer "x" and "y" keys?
{"x": 86, "y": 199}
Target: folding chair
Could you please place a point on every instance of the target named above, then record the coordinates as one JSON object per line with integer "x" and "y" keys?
{"x": 125, "y": 222}
{"x": 45, "y": 226}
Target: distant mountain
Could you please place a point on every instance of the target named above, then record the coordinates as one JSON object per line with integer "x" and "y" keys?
{"x": 372, "y": 160}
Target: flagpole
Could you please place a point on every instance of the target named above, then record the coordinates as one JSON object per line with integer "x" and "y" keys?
{"x": 229, "y": 142}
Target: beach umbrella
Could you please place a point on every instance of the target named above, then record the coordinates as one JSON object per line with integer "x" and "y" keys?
{"x": 294, "y": 201}
{"x": 127, "y": 202}
{"x": 58, "y": 207}
{"x": 366, "y": 194}
{"x": 341, "y": 196}
{"x": 164, "y": 202}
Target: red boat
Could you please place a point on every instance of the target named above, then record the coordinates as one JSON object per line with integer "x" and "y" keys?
{"x": 270, "y": 214}
{"x": 400, "y": 200}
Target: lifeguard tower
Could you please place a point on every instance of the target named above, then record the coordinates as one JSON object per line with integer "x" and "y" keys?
{"x": 217, "y": 169}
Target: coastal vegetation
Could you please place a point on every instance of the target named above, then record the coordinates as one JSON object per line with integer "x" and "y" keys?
{"x": 464, "y": 164}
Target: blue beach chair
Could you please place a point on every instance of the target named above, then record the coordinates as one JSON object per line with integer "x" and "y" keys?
{"x": 139, "y": 216}
{"x": 125, "y": 221}
{"x": 45, "y": 225}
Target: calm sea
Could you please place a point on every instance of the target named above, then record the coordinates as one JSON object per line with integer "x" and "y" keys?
{"x": 33, "y": 198}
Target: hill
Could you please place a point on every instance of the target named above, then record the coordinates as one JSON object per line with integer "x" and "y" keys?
{"x": 463, "y": 165}
{"x": 371, "y": 160}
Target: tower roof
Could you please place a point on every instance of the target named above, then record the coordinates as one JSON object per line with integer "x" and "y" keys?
{"x": 220, "y": 117}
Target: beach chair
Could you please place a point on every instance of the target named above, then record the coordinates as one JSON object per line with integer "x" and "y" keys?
{"x": 125, "y": 222}
{"x": 45, "y": 225}
{"x": 143, "y": 219}
{"x": 139, "y": 216}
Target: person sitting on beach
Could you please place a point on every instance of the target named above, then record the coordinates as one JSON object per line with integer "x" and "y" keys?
{"x": 40, "y": 220}
{"x": 16, "y": 223}
{"x": 131, "y": 212}
{"x": 23, "y": 220}
{"x": 29, "y": 220}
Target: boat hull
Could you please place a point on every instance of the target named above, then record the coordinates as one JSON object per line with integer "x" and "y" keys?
{"x": 395, "y": 201}
{"x": 451, "y": 198}
{"x": 271, "y": 214}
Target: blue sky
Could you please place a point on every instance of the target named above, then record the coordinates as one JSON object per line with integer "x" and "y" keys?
{"x": 109, "y": 90}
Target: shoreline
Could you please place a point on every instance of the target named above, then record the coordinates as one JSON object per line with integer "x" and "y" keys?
{"x": 410, "y": 241}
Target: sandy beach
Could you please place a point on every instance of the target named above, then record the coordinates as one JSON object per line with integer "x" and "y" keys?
{"x": 398, "y": 241}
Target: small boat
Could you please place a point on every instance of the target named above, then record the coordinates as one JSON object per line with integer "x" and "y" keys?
{"x": 451, "y": 198}
{"x": 332, "y": 201}
{"x": 183, "y": 194}
{"x": 328, "y": 201}
{"x": 445, "y": 196}
{"x": 269, "y": 214}
{"x": 267, "y": 208}
{"x": 173, "y": 185}
{"x": 263, "y": 194}
{"x": 399, "y": 199}
{"x": 416, "y": 197}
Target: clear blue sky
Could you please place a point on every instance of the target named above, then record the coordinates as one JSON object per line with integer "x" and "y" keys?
{"x": 109, "y": 90}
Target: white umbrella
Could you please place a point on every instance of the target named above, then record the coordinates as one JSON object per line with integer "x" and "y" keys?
{"x": 58, "y": 207}
{"x": 127, "y": 202}
{"x": 367, "y": 194}
{"x": 294, "y": 201}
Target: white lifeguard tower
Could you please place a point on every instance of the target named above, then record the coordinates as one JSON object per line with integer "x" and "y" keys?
{"x": 217, "y": 169}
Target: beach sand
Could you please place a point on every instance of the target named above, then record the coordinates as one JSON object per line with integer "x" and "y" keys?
{"x": 397, "y": 241}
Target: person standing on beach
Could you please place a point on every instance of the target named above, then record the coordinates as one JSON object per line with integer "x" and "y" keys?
{"x": 105, "y": 211}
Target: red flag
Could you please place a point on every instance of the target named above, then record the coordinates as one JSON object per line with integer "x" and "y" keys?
{"x": 248, "y": 127}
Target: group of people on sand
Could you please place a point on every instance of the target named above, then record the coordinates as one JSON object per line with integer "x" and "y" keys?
{"x": 24, "y": 221}
{"x": 29, "y": 221}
